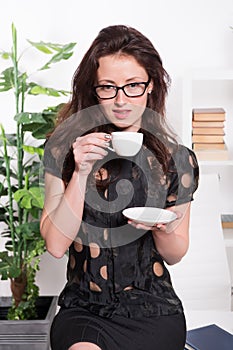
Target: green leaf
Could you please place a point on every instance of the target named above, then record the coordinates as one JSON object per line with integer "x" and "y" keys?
{"x": 34, "y": 197}
{"x": 41, "y": 130}
{"x": 37, "y": 90}
{"x": 20, "y": 194}
{"x": 26, "y": 202}
{"x": 49, "y": 114}
{"x": 5, "y": 55}
{"x": 33, "y": 168}
{"x": 42, "y": 90}
{"x": 37, "y": 194}
{"x": 33, "y": 150}
{"x": 4, "y": 274}
{"x": 30, "y": 230}
{"x": 4, "y": 256}
{"x": 14, "y": 271}
{"x": 29, "y": 118}
{"x": 41, "y": 46}
{"x": 63, "y": 54}
{"x": 8, "y": 269}
{"x": 39, "y": 124}
{"x": 9, "y": 138}
{"x": 2, "y": 189}
{"x": 7, "y": 79}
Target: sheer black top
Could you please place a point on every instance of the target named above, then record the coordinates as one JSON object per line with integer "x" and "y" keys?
{"x": 114, "y": 268}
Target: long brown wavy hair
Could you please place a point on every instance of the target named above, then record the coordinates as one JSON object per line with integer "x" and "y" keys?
{"x": 128, "y": 41}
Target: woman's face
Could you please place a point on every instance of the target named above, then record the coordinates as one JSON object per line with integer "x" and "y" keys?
{"x": 119, "y": 70}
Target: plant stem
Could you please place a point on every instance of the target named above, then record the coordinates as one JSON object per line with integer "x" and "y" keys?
{"x": 15, "y": 65}
{"x": 19, "y": 136}
{"x": 10, "y": 192}
{"x": 19, "y": 131}
{"x": 23, "y": 92}
{"x": 25, "y": 215}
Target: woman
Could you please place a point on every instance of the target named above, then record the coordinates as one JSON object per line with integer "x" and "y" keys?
{"x": 118, "y": 293}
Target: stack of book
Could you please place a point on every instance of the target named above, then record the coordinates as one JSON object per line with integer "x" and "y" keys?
{"x": 208, "y": 133}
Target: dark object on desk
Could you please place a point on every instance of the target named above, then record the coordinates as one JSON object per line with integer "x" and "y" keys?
{"x": 210, "y": 337}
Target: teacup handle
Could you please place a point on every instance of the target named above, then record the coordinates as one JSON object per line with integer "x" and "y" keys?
{"x": 111, "y": 149}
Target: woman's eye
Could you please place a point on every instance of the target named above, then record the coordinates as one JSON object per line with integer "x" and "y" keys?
{"x": 107, "y": 87}
{"x": 133, "y": 85}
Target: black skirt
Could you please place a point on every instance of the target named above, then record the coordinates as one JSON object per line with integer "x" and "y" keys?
{"x": 75, "y": 325}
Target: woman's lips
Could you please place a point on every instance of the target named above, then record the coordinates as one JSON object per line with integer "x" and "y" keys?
{"x": 121, "y": 113}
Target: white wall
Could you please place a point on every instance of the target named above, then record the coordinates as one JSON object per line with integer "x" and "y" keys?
{"x": 187, "y": 33}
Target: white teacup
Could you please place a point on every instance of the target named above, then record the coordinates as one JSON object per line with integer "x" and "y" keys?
{"x": 126, "y": 143}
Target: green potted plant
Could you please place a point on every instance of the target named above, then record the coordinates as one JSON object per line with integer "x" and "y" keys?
{"x": 21, "y": 190}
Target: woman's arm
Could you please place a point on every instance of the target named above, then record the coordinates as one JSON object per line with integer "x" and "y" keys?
{"x": 62, "y": 213}
{"x": 63, "y": 208}
{"x": 171, "y": 240}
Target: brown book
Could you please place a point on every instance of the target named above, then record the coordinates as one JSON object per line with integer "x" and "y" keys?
{"x": 211, "y": 146}
{"x": 227, "y": 221}
{"x": 208, "y": 131}
{"x": 227, "y": 224}
{"x": 212, "y": 154}
{"x": 207, "y": 124}
{"x": 207, "y": 139}
{"x": 209, "y": 114}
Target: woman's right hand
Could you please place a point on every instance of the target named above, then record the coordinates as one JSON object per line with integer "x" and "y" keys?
{"x": 88, "y": 149}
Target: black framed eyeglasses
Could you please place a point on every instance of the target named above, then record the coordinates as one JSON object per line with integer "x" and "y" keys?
{"x": 106, "y": 92}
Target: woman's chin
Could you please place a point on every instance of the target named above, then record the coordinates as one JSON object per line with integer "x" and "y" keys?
{"x": 129, "y": 125}
{"x": 121, "y": 125}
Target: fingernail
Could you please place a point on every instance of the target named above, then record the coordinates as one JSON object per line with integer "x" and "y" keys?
{"x": 107, "y": 136}
{"x": 107, "y": 144}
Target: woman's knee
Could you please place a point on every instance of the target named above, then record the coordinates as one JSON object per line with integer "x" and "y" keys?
{"x": 84, "y": 346}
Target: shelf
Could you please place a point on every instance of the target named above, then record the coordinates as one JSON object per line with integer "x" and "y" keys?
{"x": 206, "y": 88}
{"x": 216, "y": 162}
{"x": 187, "y": 105}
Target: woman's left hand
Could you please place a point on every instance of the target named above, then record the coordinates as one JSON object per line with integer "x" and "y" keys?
{"x": 171, "y": 239}
{"x": 157, "y": 227}
{"x": 142, "y": 226}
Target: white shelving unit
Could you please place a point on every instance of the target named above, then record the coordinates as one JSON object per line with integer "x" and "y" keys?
{"x": 202, "y": 75}
{"x": 211, "y": 88}
{"x": 217, "y": 163}
{"x": 218, "y": 94}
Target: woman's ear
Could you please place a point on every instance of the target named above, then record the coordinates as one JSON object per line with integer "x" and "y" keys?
{"x": 150, "y": 87}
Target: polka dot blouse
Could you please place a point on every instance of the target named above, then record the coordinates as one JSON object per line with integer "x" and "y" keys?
{"x": 114, "y": 268}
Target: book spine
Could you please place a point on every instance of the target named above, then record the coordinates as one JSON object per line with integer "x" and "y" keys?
{"x": 205, "y": 146}
{"x": 208, "y": 131}
{"x": 212, "y": 155}
{"x": 207, "y": 139}
{"x": 209, "y": 117}
{"x": 207, "y": 124}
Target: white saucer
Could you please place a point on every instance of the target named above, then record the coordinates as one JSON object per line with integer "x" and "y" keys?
{"x": 149, "y": 215}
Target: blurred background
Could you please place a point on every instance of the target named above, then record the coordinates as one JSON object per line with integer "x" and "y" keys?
{"x": 190, "y": 35}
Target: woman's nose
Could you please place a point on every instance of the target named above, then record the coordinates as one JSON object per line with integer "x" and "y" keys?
{"x": 120, "y": 98}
